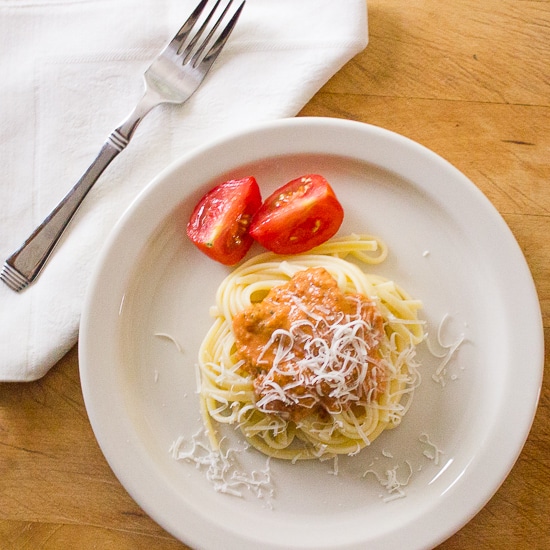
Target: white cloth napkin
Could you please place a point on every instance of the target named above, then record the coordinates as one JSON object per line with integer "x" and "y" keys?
{"x": 71, "y": 72}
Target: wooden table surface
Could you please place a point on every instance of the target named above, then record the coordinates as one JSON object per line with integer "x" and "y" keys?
{"x": 469, "y": 79}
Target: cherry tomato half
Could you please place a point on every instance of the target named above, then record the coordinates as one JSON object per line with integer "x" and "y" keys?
{"x": 219, "y": 223}
{"x": 298, "y": 216}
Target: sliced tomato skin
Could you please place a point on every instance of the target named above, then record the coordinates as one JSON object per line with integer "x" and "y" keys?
{"x": 298, "y": 216}
{"x": 220, "y": 221}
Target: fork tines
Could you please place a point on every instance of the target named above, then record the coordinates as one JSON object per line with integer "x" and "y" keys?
{"x": 183, "y": 42}
{"x": 13, "y": 278}
{"x": 173, "y": 77}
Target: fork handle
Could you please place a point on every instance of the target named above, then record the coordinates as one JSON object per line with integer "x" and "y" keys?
{"x": 30, "y": 258}
{"x": 33, "y": 254}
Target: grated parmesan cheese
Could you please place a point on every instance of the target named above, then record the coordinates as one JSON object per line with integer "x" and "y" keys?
{"x": 335, "y": 467}
{"x": 448, "y": 351}
{"x": 433, "y": 452}
{"x": 390, "y": 482}
{"x": 170, "y": 338}
{"x": 340, "y": 360}
{"x": 222, "y": 469}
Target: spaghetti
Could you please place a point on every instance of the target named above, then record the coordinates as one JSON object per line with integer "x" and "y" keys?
{"x": 308, "y": 355}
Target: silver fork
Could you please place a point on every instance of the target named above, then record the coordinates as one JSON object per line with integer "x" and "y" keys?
{"x": 172, "y": 78}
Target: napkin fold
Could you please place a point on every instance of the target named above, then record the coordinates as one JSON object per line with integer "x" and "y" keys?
{"x": 72, "y": 71}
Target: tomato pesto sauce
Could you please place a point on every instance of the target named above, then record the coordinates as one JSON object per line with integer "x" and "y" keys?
{"x": 311, "y": 348}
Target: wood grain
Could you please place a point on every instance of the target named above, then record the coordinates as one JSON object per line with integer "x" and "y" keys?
{"x": 471, "y": 81}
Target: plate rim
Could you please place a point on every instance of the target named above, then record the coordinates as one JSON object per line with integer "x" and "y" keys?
{"x": 93, "y": 303}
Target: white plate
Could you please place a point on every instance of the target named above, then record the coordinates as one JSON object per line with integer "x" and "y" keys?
{"x": 449, "y": 247}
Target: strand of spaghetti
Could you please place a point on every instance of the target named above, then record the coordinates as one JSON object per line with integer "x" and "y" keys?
{"x": 227, "y": 391}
